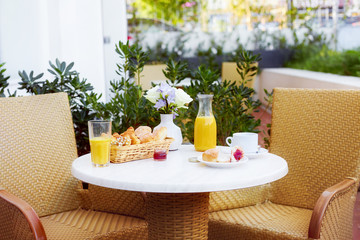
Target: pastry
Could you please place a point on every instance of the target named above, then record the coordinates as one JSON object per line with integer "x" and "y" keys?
{"x": 127, "y": 141}
{"x": 142, "y": 130}
{"x": 211, "y": 155}
{"x": 135, "y": 140}
{"x": 130, "y": 130}
{"x": 160, "y": 134}
{"x": 116, "y": 135}
{"x": 114, "y": 141}
{"x": 118, "y": 140}
{"x": 147, "y": 137}
{"x": 126, "y": 138}
{"x": 133, "y": 137}
{"x": 130, "y": 134}
{"x": 236, "y": 154}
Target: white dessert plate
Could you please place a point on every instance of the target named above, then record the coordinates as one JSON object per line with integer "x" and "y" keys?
{"x": 224, "y": 164}
{"x": 261, "y": 152}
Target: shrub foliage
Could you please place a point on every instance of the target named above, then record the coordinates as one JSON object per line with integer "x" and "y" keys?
{"x": 233, "y": 103}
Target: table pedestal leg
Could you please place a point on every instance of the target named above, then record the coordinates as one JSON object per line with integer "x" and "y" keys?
{"x": 178, "y": 215}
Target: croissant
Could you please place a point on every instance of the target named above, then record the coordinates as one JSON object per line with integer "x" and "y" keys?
{"x": 130, "y": 130}
{"x": 134, "y": 138}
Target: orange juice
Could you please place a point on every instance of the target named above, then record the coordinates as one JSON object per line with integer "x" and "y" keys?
{"x": 205, "y": 133}
{"x": 100, "y": 150}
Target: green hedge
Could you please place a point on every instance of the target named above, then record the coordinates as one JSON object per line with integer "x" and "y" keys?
{"x": 327, "y": 60}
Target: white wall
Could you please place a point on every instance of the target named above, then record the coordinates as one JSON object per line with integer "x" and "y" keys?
{"x": 271, "y": 78}
{"x": 23, "y": 36}
{"x": 32, "y": 32}
{"x": 81, "y": 39}
{"x": 114, "y": 30}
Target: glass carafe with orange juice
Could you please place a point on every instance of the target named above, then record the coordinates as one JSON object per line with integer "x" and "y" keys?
{"x": 205, "y": 124}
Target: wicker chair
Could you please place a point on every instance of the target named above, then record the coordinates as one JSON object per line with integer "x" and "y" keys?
{"x": 39, "y": 198}
{"x": 318, "y": 133}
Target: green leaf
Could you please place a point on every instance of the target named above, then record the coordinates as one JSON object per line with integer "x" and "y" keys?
{"x": 69, "y": 67}
{"x": 62, "y": 66}
{"x": 52, "y": 65}
{"x": 51, "y": 71}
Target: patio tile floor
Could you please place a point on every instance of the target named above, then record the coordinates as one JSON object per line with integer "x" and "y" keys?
{"x": 265, "y": 119}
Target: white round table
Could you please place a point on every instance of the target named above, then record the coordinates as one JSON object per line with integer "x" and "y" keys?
{"x": 177, "y": 188}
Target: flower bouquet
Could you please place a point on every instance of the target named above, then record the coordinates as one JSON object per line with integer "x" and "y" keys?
{"x": 168, "y": 100}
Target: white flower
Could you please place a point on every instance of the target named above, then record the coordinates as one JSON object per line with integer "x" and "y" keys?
{"x": 181, "y": 98}
{"x": 153, "y": 94}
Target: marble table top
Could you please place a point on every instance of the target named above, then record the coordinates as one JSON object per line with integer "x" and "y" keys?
{"x": 178, "y": 175}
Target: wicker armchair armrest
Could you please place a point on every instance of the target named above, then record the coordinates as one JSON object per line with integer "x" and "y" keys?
{"x": 18, "y": 220}
{"x": 340, "y": 196}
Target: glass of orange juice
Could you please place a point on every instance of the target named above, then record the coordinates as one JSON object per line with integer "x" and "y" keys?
{"x": 205, "y": 124}
{"x": 100, "y": 137}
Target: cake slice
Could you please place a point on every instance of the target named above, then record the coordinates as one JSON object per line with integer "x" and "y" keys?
{"x": 236, "y": 154}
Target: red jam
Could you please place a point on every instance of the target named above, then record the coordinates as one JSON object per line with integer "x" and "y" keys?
{"x": 238, "y": 155}
{"x": 160, "y": 154}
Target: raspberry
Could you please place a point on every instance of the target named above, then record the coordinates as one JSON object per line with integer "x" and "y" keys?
{"x": 238, "y": 155}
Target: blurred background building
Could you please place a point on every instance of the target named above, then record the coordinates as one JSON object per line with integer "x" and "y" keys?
{"x": 32, "y": 32}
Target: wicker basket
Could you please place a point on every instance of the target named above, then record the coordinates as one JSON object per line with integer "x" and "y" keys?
{"x": 135, "y": 152}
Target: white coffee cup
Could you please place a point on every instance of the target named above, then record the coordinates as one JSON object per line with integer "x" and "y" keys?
{"x": 248, "y": 141}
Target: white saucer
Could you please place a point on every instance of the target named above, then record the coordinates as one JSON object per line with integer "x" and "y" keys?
{"x": 261, "y": 152}
{"x": 224, "y": 164}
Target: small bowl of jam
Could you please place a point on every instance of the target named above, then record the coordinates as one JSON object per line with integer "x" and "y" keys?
{"x": 160, "y": 154}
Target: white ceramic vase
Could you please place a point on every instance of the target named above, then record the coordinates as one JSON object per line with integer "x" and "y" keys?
{"x": 173, "y": 131}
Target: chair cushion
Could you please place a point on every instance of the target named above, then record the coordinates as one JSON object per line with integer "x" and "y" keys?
{"x": 226, "y": 200}
{"x": 87, "y": 224}
{"x": 262, "y": 221}
{"x": 112, "y": 200}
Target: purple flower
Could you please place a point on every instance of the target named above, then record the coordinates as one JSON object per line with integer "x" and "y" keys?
{"x": 167, "y": 92}
{"x": 171, "y": 97}
{"x": 160, "y": 103}
{"x": 165, "y": 88}
{"x": 175, "y": 112}
{"x": 167, "y": 99}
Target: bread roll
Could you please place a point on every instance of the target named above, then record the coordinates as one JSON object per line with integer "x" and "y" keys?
{"x": 147, "y": 137}
{"x": 142, "y": 130}
{"x": 160, "y": 134}
{"x": 211, "y": 155}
